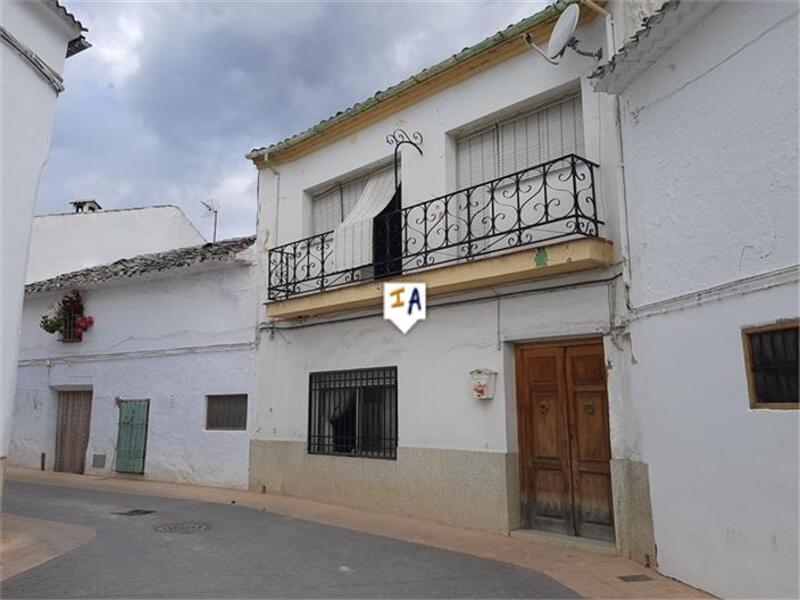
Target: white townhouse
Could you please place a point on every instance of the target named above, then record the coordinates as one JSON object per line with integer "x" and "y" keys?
{"x": 708, "y": 94}
{"x": 147, "y": 371}
{"x": 36, "y": 38}
{"x": 493, "y": 178}
{"x": 570, "y": 240}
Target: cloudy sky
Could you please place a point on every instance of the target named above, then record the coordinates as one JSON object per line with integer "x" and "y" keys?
{"x": 165, "y": 104}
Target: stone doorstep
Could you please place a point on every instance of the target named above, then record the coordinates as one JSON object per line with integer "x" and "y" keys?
{"x": 569, "y": 541}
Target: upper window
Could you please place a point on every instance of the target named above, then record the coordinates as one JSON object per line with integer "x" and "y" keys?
{"x": 331, "y": 206}
{"x": 533, "y": 138}
{"x": 226, "y": 412}
{"x": 771, "y": 359}
{"x": 353, "y": 413}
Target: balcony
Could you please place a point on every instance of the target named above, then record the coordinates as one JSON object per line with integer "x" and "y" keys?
{"x": 550, "y": 203}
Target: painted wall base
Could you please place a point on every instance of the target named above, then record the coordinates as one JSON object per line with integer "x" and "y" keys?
{"x": 454, "y": 487}
{"x": 633, "y": 514}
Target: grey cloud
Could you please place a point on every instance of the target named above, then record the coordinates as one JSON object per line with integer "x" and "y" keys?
{"x": 169, "y": 118}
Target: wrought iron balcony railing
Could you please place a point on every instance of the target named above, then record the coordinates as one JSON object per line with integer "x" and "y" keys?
{"x": 552, "y": 200}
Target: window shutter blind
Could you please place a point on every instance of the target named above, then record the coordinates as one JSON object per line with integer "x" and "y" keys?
{"x": 326, "y": 210}
{"x": 477, "y": 159}
{"x": 332, "y": 206}
{"x": 542, "y": 135}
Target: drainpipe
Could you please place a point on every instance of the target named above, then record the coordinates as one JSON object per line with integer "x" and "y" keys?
{"x": 609, "y": 22}
{"x": 268, "y": 237}
{"x": 271, "y": 167}
{"x": 622, "y": 201}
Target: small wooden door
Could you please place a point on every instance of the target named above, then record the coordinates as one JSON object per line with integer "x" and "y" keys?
{"x": 132, "y": 435}
{"x": 564, "y": 445}
{"x": 72, "y": 434}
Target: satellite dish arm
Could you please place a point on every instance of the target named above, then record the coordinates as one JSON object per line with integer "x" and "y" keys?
{"x": 529, "y": 40}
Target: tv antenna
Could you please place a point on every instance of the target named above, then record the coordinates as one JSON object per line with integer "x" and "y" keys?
{"x": 211, "y": 209}
{"x": 562, "y": 36}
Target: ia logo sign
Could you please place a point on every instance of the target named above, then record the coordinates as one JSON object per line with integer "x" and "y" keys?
{"x": 404, "y": 304}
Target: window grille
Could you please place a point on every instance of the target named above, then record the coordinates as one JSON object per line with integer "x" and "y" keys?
{"x": 530, "y": 139}
{"x": 771, "y": 356}
{"x": 69, "y": 329}
{"x": 226, "y": 412}
{"x": 353, "y": 413}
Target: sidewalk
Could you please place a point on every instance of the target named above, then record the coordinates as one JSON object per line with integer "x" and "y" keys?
{"x": 590, "y": 574}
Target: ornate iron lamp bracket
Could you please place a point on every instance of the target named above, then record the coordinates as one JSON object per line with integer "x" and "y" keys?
{"x": 397, "y": 138}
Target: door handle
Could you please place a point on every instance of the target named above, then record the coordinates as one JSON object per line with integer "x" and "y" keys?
{"x": 589, "y": 408}
{"x": 543, "y": 407}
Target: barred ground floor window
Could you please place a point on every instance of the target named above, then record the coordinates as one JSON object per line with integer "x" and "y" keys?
{"x": 353, "y": 413}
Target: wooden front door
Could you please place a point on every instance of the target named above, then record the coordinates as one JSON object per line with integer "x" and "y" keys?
{"x": 564, "y": 447}
{"x": 72, "y": 435}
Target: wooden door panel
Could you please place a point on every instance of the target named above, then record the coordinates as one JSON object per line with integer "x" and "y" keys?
{"x": 587, "y": 369}
{"x": 545, "y": 481}
{"x": 72, "y": 434}
{"x": 543, "y": 370}
{"x": 590, "y": 426}
{"x": 590, "y": 445}
{"x": 595, "y": 493}
{"x": 551, "y": 494}
{"x": 545, "y": 426}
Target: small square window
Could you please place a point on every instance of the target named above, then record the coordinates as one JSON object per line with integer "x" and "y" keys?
{"x": 771, "y": 360}
{"x": 226, "y": 412}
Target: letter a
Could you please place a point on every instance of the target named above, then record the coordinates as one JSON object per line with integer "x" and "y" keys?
{"x": 414, "y": 300}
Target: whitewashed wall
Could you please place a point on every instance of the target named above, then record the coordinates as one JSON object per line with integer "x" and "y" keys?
{"x": 435, "y": 409}
{"x": 710, "y": 135}
{"x": 28, "y": 104}
{"x": 69, "y": 242}
{"x": 435, "y": 358}
{"x": 724, "y": 478}
{"x": 171, "y": 340}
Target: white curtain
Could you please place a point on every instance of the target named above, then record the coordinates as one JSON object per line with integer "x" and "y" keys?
{"x": 352, "y": 239}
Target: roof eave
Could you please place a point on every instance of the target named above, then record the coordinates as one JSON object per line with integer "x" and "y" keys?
{"x": 659, "y": 32}
{"x": 510, "y": 34}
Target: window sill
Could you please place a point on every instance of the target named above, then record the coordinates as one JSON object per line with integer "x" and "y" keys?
{"x": 347, "y": 455}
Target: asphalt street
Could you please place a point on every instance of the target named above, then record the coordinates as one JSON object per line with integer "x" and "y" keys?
{"x": 228, "y": 551}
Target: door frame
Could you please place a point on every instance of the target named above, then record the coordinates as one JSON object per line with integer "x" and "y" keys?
{"x": 554, "y": 342}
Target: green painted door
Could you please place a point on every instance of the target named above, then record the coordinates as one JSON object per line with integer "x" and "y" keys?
{"x": 132, "y": 436}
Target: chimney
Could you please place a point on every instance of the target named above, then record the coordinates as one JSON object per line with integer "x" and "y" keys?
{"x": 86, "y": 206}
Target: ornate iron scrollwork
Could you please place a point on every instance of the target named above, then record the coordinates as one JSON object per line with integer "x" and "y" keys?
{"x": 399, "y": 137}
{"x": 552, "y": 200}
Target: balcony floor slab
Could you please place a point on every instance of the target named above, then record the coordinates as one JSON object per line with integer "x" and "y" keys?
{"x": 523, "y": 265}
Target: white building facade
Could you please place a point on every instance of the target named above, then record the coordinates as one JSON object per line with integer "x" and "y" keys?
{"x": 709, "y": 104}
{"x": 37, "y": 37}
{"x": 621, "y": 408}
{"x": 520, "y": 159}
{"x": 159, "y": 386}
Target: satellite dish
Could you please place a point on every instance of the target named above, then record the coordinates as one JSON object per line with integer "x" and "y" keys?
{"x": 562, "y": 32}
{"x": 562, "y": 36}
